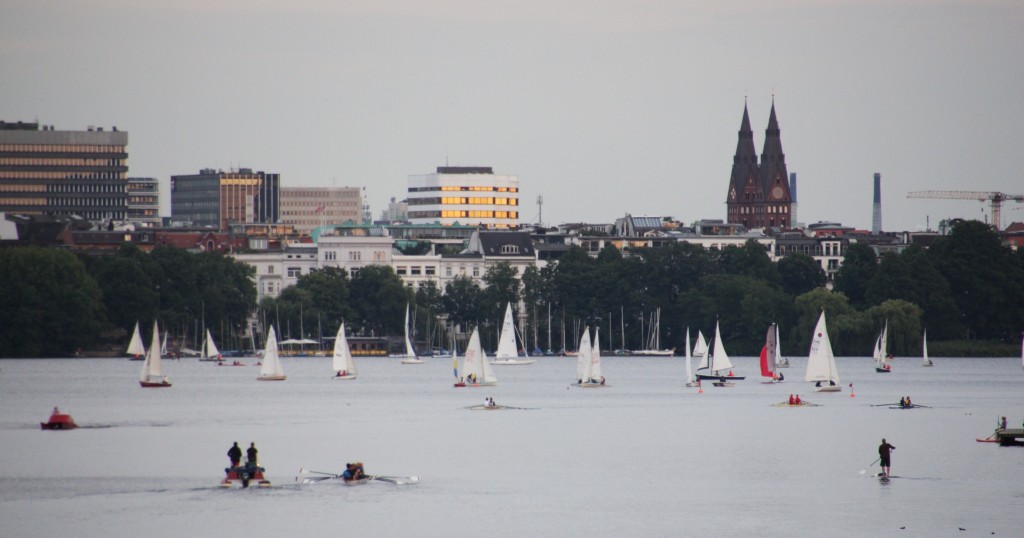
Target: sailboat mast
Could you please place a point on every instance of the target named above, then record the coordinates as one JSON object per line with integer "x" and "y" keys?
{"x": 622, "y": 326}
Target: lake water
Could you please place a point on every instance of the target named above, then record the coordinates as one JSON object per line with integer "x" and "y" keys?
{"x": 644, "y": 456}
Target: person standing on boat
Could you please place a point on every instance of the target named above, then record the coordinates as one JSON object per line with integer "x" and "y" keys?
{"x": 235, "y": 454}
{"x": 251, "y": 453}
{"x": 884, "y": 450}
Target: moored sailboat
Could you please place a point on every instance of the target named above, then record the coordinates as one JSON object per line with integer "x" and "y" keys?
{"x": 821, "y": 363}
{"x": 700, "y": 349}
{"x": 654, "y": 340}
{"x": 474, "y": 370}
{"x": 343, "y": 364}
{"x": 136, "y": 348}
{"x": 152, "y": 374}
{"x": 271, "y": 369}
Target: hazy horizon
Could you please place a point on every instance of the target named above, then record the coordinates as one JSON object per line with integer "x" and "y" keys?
{"x": 604, "y": 108}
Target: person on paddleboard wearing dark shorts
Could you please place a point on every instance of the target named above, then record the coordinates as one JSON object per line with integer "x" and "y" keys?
{"x": 884, "y": 450}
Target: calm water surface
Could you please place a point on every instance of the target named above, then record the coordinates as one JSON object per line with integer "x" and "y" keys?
{"x": 642, "y": 457}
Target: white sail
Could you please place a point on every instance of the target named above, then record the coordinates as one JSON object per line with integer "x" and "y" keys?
{"x": 343, "y": 364}
{"x": 924, "y": 350}
{"x": 689, "y": 368}
{"x": 583, "y": 363}
{"x": 151, "y": 369}
{"x": 163, "y": 344}
{"x": 779, "y": 360}
{"x": 210, "y": 349}
{"x": 136, "y": 348}
{"x": 409, "y": 351}
{"x": 271, "y": 368}
{"x": 719, "y": 359}
{"x": 700, "y": 349}
{"x": 595, "y": 356}
{"x": 507, "y": 340}
{"x": 474, "y": 363}
{"x": 821, "y": 364}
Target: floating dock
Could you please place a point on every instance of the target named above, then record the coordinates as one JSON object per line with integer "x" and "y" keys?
{"x": 1010, "y": 436}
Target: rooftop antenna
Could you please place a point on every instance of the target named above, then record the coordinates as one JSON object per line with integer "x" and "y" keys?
{"x": 540, "y": 209}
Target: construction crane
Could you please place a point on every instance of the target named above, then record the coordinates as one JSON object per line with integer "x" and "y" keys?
{"x": 995, "y": 200}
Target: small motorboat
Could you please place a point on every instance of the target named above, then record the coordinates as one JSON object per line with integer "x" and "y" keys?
{"x": 58, "y": 421}
{"x": 241, "y": 475}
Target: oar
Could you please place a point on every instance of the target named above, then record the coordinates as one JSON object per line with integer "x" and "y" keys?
{"x": 865, "y": 470}
{"x": 883, "y": 405}
{"x": 398, "y": 480}
{"x": 327, "y": 476}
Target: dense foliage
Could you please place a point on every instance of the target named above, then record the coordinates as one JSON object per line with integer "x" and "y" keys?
{"x": 966, "y": 287}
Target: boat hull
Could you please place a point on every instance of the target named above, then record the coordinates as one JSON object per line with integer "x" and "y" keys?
{"x": 412, "y": 361}
{"x": 512, "y": 362}
{"x": 344, "y": 377}
{"x": 723, "y": 384}
{"x": 462, "y": 385}
{"x": 653, "y": 353}
{"x": 883, "y": 370}
{"x": 271, "y": 378}
{"x": 154, "y": 384}
{"x": 243, "y": 475}
{"x": 828, "y": 388}
{"x": 721, "y": 377}
{"x": 59, "y": 422}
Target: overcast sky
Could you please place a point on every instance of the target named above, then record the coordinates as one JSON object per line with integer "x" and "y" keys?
{"x": 603, "y": 107}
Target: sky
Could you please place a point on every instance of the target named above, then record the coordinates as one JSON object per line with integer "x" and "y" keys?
{"x": 602, "y": 107}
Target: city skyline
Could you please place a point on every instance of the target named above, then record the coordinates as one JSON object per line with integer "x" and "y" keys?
{"x": 602, "y": 108}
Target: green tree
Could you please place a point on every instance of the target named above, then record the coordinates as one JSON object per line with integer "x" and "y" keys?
{"x": 461, "y": 301}
{"x": 856, "y": 273}
{"x": 799, "y": 274}
{"x": 379, "y": 299}
{"x": 49, "y": 305}
{"x": 328, "y": 289}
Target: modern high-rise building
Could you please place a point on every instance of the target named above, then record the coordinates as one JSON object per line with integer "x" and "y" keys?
{"x": 466, "y": 195}
{"x": 759, "y": 195}
{"x": 48, "y": 172}
{"x": 876, "y": 207}
{"x": 219, "y": 199}
{"x": 144, "y": 200}
{"x": 305, "y": 208}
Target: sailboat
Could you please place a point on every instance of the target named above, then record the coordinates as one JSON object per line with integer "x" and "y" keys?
{"x": 343, "y": 364}
{"x": 716, "y": 361}
{"x": 507, "y": 354}
{"x": 588, "y": 365}
{"x": 690, "y": 380}
{"x": 209, "y": 351}
{"x": 136, "y": 348}
{"x": 163, "y": 344}
{"x": 700, "y": 349}
{"x": 410, "y": 354}
{"x": 270, "y": 369}
{"x": 821, "y": 363}
{"x": 925, "y": 361}
{"x": 152, "y": 375}
{"x": 881, "y": 345}
{"x": 780, "y": 361}
{"x": 654, "y": 341}
{"x": 768, "y": 354}
{"x": 474, "y": 370}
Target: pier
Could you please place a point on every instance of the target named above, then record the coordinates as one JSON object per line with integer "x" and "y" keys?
{"x": 1010, "y": 436}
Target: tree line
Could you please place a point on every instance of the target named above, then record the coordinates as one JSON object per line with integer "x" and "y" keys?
{"x": 966, "y": 289}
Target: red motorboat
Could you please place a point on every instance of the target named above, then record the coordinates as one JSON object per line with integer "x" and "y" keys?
{"x": 241, "y": 475}
{"x": 58, "y": 421}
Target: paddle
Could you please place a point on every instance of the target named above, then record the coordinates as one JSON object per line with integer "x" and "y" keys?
{"x": 397, "y": 480}
{"x": 865, "y": 470}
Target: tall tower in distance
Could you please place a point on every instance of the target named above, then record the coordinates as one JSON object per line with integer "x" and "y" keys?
{"x": 792, "y": 191}
{"x": 876, "y": 215}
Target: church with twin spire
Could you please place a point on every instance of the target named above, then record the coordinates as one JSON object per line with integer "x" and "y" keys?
{"x": 759, "y": 193}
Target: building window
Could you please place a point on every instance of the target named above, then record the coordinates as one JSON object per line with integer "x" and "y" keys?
{"x": 429, "y": 271}
{"x": 401, "y": 270}
{"x": 448, "y": 271}
{"x": 294, "y": 272}
{"x": 416, "y": 270}
{"x": 355, "y": 256}
{"x": 510, "y": 249}
{"x": 270, "y": 269}
{"x": 476, "y": 271}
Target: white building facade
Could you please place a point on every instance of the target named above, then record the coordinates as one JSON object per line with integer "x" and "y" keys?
{"x": 465, "y": 195}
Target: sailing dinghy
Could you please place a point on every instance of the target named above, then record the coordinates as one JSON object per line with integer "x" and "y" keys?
{"x": 780, "y": 361}
{"x": 474, "y": 370}
{"x": 410, "y": 354}
{"x": 821, "y": 363}
{"x": 691, "y": 381}
{"x": 880, "y": 354}
{"x": 507, "y": 354}
{"x": 210, "y": 351}
{"x": 152, "y": 375}
{"x": 768, "y": 354}
{"x": 136, "y": 348}
{"x": 271, "y": 369}
{"x": 925, "y": 361}
{"x": 588, "y": 363}
{"x": 716, "y": 361}
{"x": 700, "y": 349}
{"x": 343, "y": 364}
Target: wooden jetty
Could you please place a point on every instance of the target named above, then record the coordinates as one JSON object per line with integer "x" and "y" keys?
{"x": 1010, "y": 436}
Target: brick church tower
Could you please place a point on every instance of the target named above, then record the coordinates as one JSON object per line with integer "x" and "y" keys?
{"x": 759, "y": 196}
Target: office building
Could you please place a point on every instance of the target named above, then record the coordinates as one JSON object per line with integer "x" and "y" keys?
{"x": 144, "y": 200}
{"x": 305, "y": 208}
{"x": 472, "y": 195}
{"x": 218, "y": 199}
{"x": 48, "y": 172}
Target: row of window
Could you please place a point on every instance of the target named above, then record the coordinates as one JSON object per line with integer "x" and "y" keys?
{"x": 769, "y": 208}
{"x": 78, "y": 161}
{"x": 101, "y": 202}
{"x": 456, "y": 214}
{"x": 62, "y": 148}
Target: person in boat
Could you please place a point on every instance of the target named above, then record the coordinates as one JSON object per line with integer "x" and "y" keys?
{"x": 1002, "y": 422}
{"x": 903, "y": 402}
{"x": 798, "y": 401}
{"x": 831, "y": 383}
{"x": 791, "y": 400}
{"x": 602, "y": 380}
{"x": 235, "y": 454}
{"x": 730, "y": 373}
{"x": 818, "y": 384}
{"x": 341, "y": 373}
{"x": 471, "y": 378}
{"x": 349, "y": 474}
{"x": 781, "y": 377}
{"x": 251, "y": 453}
{"x": 908, "y": 402}
{"x": 884, "y": 450}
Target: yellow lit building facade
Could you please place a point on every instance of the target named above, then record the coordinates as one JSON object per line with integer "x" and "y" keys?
{"x": 472, "y": 195}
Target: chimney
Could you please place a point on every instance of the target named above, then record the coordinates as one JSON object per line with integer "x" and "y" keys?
{"x": 876, "y": 216}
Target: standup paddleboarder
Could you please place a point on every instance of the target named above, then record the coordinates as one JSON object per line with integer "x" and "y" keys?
{"x": 884, "y": 450}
